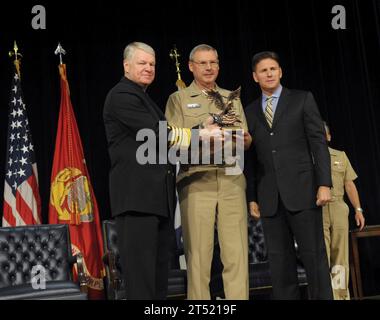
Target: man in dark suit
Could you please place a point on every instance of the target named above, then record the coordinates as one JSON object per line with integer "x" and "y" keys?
{"x": 289, "y": 179}
{"x": 142, "y": 194}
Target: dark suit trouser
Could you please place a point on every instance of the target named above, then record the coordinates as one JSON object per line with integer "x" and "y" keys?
{"x": 144, "y": 243}
{"x": 307, "y": 228}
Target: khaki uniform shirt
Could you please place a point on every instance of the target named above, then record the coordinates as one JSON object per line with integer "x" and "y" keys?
{"x": 341, "y": 171}
{"x": 188, "y": 108}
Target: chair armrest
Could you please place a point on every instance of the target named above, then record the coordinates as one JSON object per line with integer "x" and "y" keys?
{"x": 82, "y": 277}
{"x": 109, "y": 259}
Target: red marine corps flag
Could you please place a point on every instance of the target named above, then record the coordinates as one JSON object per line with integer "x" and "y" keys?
{"x": 72, "y": 199}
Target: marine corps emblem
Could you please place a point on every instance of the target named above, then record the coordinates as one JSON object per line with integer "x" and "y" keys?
{"x": 70, "y": 196}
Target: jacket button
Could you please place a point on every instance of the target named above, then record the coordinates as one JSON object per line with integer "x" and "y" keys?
{"x": 272, "y": 133}
{"x": 273, "y": 151}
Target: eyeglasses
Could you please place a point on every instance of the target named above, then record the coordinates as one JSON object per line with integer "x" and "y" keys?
{"x": 205, "y": 64}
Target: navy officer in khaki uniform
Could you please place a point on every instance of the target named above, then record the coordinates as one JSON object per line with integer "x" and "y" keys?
{"x": 207, "y": 195}
{"x": 335, "y": 220}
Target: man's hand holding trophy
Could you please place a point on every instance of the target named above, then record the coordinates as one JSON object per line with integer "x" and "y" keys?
{"x": 227, "y": 119}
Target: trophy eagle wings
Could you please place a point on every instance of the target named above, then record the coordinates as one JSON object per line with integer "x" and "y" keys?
{"x": 227, "y": 113}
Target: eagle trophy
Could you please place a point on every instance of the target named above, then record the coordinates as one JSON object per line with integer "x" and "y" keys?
{"x": 227, "y": 117}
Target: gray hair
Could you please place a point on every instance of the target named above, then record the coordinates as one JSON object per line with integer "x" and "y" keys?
{"x": 201, "y": 47}
{"x": 130, "y": 49}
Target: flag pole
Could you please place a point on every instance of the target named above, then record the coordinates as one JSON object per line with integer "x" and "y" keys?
{"x": 60, "y": 51}
{"x": 17, "y": 56}
{"x": 175, "y": 55}
{"x": 61, "y": 67}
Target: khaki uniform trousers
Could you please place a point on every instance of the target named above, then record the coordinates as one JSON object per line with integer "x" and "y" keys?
{"x": 335, "y": 227}
{"x": 209, "y": 198}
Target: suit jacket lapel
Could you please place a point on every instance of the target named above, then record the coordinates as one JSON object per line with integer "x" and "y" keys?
{"x": 281, "y": 106}
{"x": 260, "y": 114}
{"x": 155, "y": 111}
{"x": 155, "y": 108}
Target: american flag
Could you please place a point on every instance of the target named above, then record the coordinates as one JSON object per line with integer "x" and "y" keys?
{"x": 21, "y": 196}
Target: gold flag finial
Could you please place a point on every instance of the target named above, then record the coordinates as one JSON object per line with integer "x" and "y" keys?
{"x": 15, "y": 48}
{"x": 17, "y": 56}
{"x": 175, "y": 55}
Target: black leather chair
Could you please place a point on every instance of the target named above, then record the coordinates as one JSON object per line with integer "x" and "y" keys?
{"x": 47, "y": 246}
{"x": 260, "y": 282}
{"x": 114, "y": 282}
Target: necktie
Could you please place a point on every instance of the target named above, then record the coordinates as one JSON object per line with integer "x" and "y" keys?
{"x": 269, "y": 111}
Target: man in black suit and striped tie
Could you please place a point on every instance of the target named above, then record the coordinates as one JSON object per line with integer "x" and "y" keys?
{"x": 288, "y": 179}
